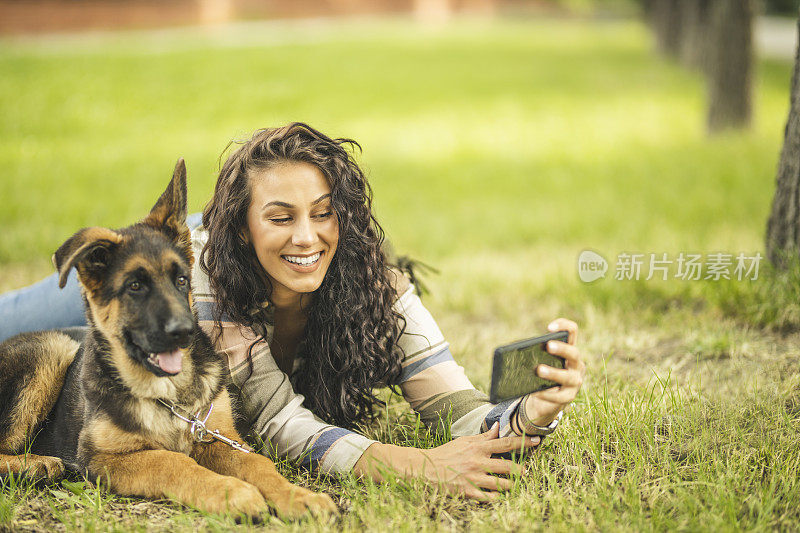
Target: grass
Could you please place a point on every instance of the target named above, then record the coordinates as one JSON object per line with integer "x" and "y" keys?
{"x": 497, "y": 152}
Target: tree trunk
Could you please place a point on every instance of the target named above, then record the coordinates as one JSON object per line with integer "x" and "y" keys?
{"x": 666, "y": 21}
{"x": 783, "y": 228}
{"x": 730, "y": 64}
{"x": 647, "y": 10}
{"x": 694, "y": 41}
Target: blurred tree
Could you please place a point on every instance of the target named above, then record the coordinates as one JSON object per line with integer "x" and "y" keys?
{"x": 781, "y": 7}
{"x": 665, "y": 18}
{"x": 730, "y": 64}
{"x": 783, "y": 227}
{"x": 694, "y": 36}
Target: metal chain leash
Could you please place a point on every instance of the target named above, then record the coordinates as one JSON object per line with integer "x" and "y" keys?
{"x": 199, "y": 431}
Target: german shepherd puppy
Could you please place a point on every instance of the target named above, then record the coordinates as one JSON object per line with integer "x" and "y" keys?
{"x": 96, "y": 407}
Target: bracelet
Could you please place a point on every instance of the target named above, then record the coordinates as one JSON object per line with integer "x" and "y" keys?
{"x": 529, "y": 428}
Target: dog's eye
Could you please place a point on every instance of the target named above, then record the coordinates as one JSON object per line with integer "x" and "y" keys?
{"x": 182, "y": 281}
{"x": 134, "y": 286}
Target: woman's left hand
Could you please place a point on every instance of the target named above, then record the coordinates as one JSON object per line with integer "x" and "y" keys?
{"x": 542, "y": 407}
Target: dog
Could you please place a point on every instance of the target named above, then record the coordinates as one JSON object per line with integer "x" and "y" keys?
{"x": 123, "y": 407}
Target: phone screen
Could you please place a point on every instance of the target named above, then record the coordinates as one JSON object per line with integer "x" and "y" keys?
{"x": 514, "y": 368}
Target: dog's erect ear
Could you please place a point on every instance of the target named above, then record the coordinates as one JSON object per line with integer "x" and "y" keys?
{"x": 169, "y": 213}
{"x": 170, "y": 209}
{"x": 87, "y": 250}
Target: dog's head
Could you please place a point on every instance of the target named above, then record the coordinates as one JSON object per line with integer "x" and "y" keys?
{"x": 137, "y": 281}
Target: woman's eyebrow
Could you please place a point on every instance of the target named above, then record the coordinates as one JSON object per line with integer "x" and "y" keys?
{"x": 321, "y": 198}
{"x": 277, "y": 203}
{"x": 287, "y": 205}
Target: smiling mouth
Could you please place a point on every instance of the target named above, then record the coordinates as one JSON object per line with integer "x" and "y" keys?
{"x": 302, "y": 261}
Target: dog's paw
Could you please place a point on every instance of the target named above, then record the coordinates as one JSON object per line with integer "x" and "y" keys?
{"x": 294, "y": 502}
{"x": 43, "y": 467}
{"x": 240, "y": 497}
{"x": 226, "y": 494}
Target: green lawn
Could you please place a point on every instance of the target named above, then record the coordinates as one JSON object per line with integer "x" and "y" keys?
{"x": 497, "y": 152}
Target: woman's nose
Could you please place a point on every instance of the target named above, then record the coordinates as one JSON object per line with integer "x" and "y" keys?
{"x": 303, "y": 233}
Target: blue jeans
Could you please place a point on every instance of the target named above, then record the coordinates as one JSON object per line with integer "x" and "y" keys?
{"x": 44, "y": 306}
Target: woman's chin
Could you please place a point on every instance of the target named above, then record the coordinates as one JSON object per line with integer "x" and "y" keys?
{"x": 303, "y": 286}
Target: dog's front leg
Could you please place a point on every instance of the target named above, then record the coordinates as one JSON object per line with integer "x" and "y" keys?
{"x": 290, "y": 501}
{"x": 166, "y": 474}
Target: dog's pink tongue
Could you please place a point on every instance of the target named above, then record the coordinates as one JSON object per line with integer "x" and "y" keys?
{"x": 170, "y": 362}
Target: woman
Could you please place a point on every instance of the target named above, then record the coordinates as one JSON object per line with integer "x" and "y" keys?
{"x": 291, "y": 280}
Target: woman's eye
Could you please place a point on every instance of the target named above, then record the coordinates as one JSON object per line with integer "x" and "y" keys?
{"x": 326, "y": 214}
{"x": 282, "y": 220}
{"x": 182, "y": 281}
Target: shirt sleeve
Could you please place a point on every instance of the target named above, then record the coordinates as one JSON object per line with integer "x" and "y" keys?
{"x": 435, "y": 385}
{"x": 265, "y": 397}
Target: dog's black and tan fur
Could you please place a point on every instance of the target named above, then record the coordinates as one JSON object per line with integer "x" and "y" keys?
{"x": 94, "y": 407}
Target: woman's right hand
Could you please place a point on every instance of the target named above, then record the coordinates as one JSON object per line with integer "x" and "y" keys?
{"x": 465, "y": 465}
{"x": 462, "y": 466}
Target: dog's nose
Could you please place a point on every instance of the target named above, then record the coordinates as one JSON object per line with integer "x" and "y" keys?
{"x": 179, "y": 328}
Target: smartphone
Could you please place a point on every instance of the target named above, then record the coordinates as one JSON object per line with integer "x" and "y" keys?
{"x": 514, "y": 367}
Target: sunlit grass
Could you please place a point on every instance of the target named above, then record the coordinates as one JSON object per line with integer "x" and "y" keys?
{"x": 486, "y": 136}
{"x": 629, "y": 457}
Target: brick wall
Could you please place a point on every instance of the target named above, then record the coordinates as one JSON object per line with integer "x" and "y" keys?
{"x": 34, "y": 16}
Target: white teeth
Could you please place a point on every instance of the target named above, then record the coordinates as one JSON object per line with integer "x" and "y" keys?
{"x": 297, "y": 260}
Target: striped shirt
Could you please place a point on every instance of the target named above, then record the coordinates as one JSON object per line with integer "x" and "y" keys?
{"x": 431, "y": 381}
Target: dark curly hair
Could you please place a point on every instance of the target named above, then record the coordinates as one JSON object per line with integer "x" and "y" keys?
{"x": 350, "y": 341}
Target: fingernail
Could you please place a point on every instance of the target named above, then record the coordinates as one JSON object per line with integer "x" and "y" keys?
{"x": 552, "y": 326}
{"x": 551, "y": 345}
{"x": 535, "y": 440}
{"x": 495, "y": 425}
{"x": 543, "y": 371}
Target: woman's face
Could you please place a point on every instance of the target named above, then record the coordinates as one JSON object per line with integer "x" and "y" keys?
{"x": 292, "y": 227}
